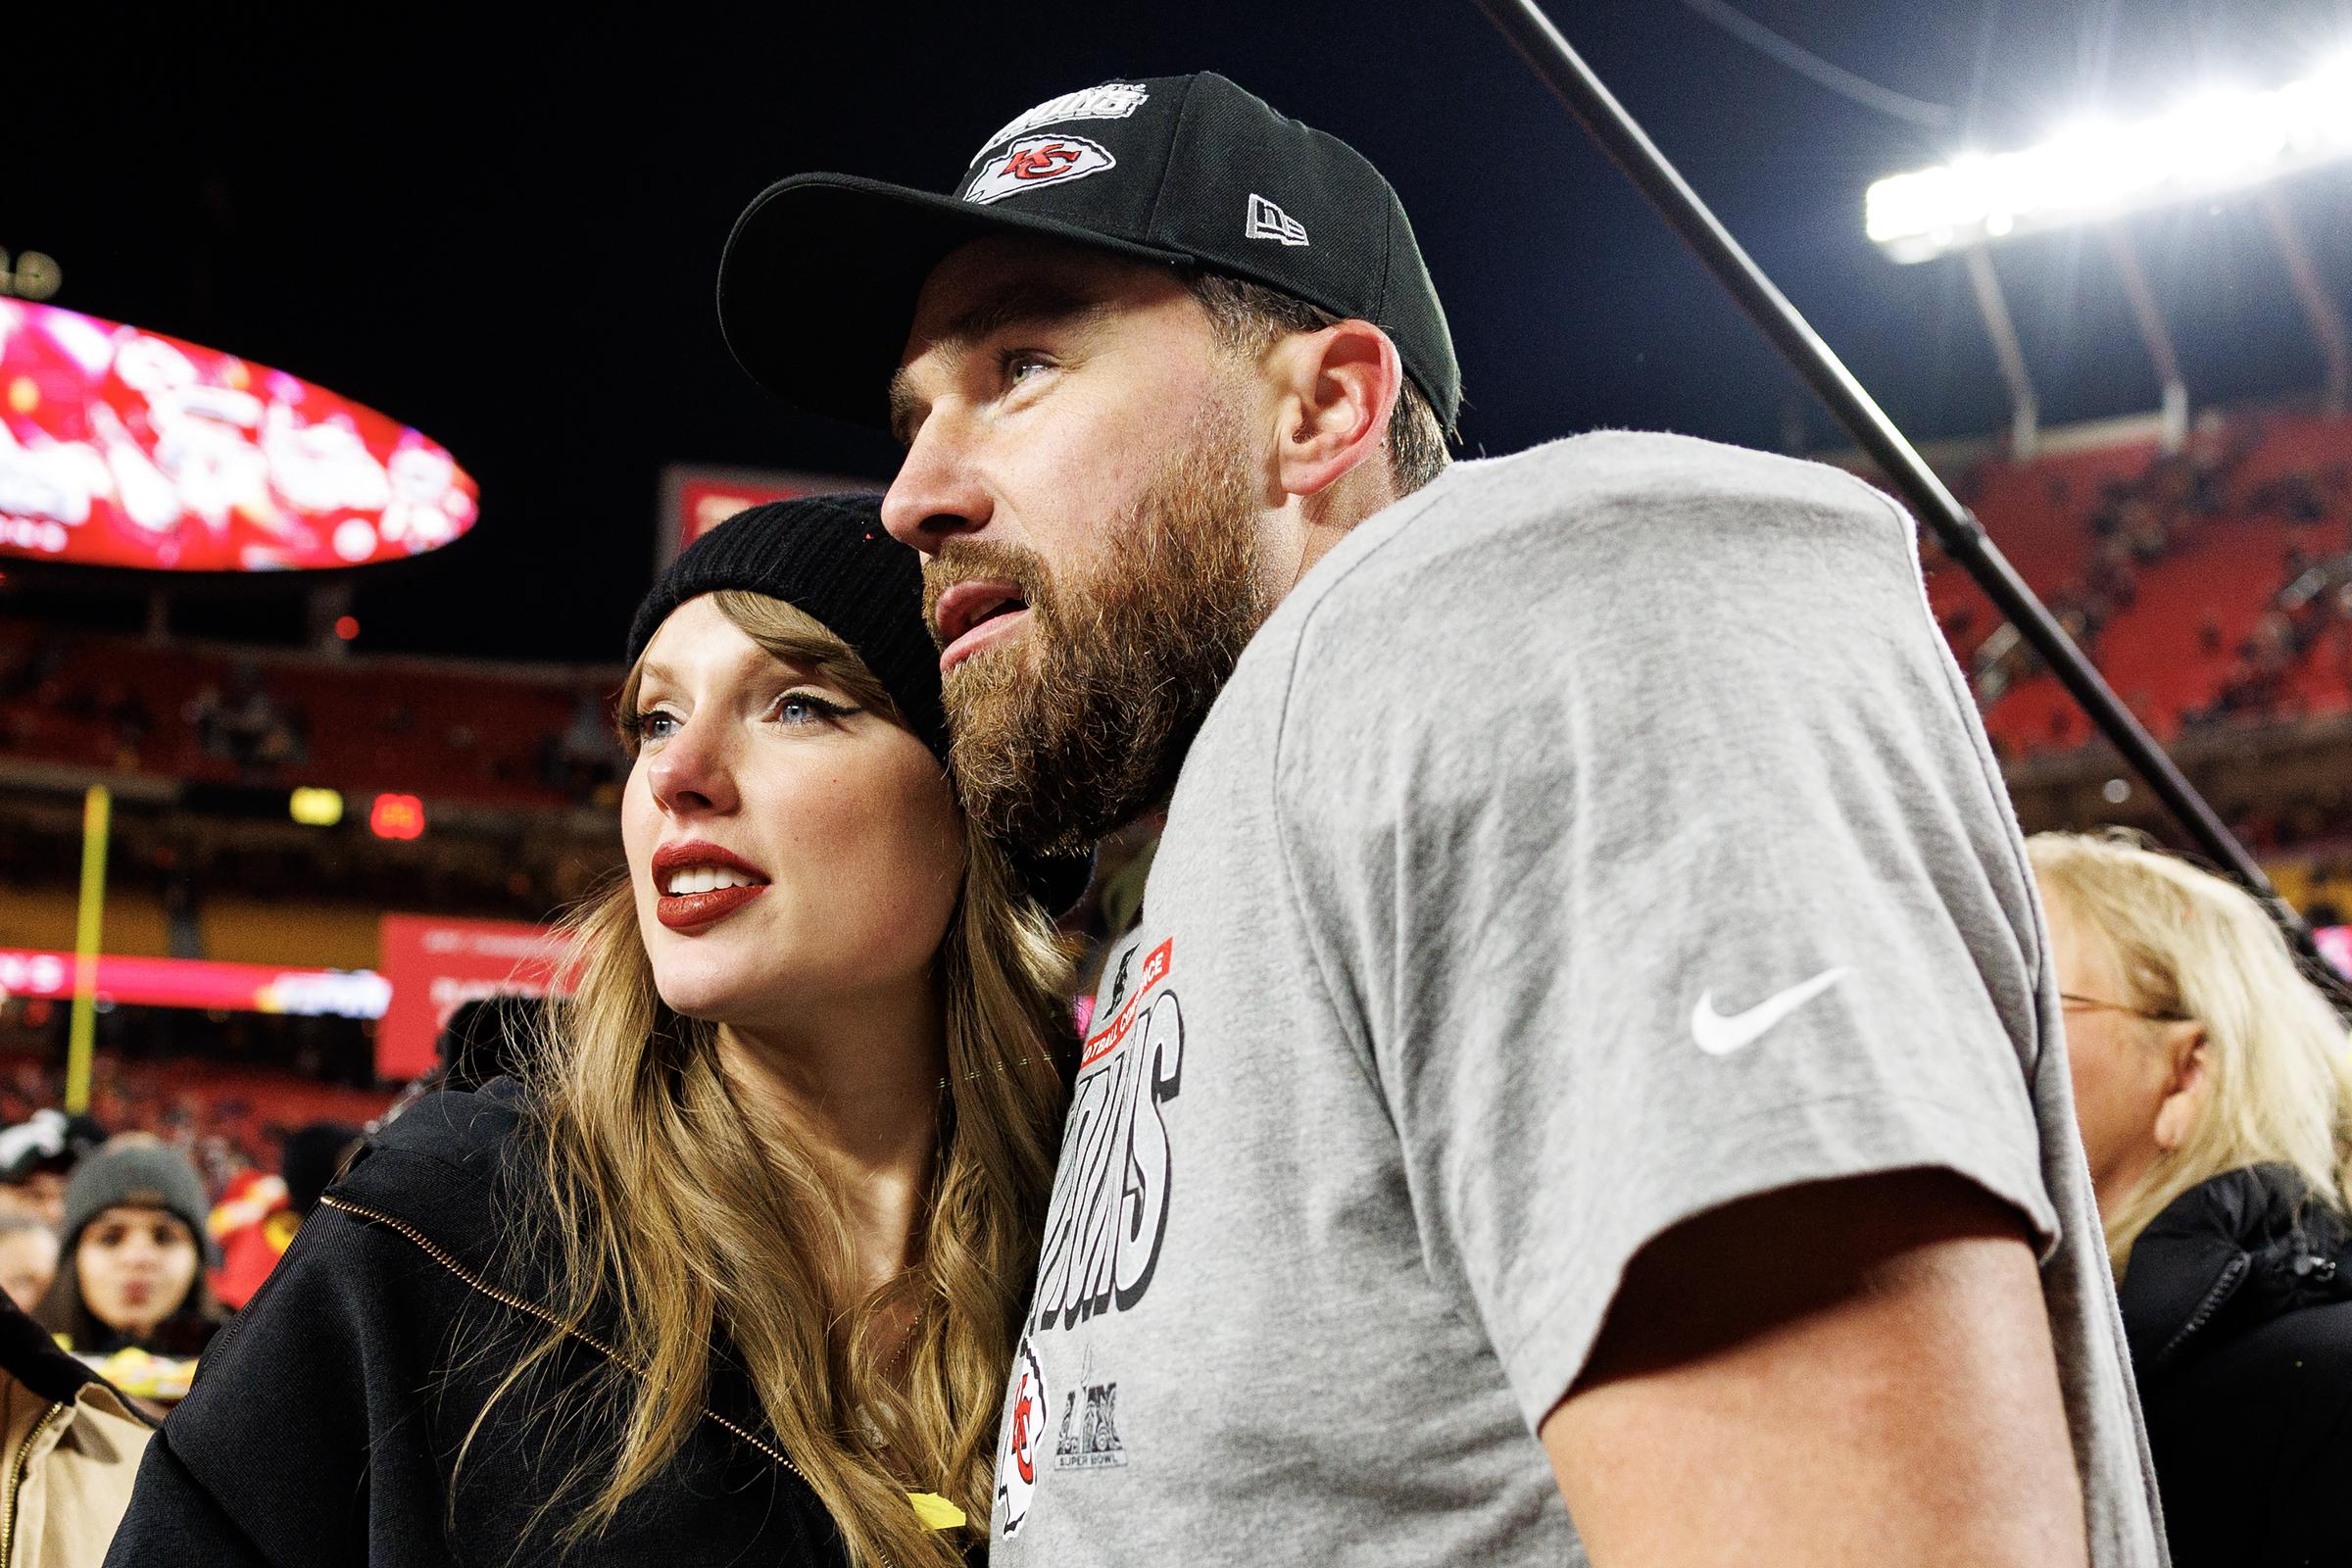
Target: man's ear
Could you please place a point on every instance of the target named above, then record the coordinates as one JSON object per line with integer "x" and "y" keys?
{"x": 2187, "y": 1088}
{"x": 1335, "y": 390}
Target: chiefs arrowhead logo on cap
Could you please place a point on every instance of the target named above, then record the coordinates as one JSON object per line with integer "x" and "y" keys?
{"x": 1036, "y": 161}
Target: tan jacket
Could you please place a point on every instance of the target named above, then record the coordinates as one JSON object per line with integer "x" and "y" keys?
{"x": 69, "y": 1468}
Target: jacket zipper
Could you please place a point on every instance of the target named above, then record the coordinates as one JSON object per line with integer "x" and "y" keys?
{"x": 2223, "y": 1286}
{"x": 19, "y": 1464}
{"x": 516, "y": 1303}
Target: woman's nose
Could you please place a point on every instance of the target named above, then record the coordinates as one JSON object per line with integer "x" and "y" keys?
{"x": 693, "y": 771}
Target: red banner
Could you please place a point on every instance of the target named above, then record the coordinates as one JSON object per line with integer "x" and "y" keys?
{"x": 436, "y": 965}
{"x": 696, "y": 500}
{"x": 125, "y": 448}
{"x": 199, "y": 983}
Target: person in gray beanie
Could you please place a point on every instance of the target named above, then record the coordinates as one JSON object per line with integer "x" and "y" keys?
{"x": 134, "y": 1251}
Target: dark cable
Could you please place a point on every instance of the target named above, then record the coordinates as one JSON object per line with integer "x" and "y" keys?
{"x": 1823, "y": 73}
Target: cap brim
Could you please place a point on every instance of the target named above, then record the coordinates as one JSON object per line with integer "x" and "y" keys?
{"x": 817, "y": 287}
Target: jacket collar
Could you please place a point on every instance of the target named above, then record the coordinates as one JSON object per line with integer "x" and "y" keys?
{"x": 440, "y": 1168}
{"x": 2226, "y": 1255}
{"x": 446, "y": 1169}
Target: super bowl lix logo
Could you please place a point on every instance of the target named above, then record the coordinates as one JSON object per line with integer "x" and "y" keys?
{"x": 1089, "y": 1439}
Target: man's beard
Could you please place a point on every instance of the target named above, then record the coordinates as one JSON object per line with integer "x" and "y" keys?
{"x": 1081, "y": 724}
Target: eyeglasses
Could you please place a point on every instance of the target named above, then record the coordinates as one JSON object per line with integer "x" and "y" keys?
{"x": 2154, "y": 1016}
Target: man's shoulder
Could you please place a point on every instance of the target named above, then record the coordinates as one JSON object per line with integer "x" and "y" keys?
{"x": 1623, "y": 496}
{"x": 1605, "y": 467}
{"x": 1623, "y": 517}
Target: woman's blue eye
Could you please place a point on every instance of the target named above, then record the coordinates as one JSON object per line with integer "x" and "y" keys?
{"x": 806, "y": 708}
{"x": 651, "y": 726}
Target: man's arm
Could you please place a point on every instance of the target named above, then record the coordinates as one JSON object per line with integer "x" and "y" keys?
{"x": 1849, "y": 1372}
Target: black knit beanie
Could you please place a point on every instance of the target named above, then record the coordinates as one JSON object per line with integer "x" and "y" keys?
{"x": 830, "y": 558}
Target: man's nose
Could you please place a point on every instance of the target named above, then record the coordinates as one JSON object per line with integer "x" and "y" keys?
{"x": 936, "y": 495}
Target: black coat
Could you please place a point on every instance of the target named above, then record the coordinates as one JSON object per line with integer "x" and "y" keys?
{"x": 325, "y": 1420}
{"x": 2237, "y": 1302}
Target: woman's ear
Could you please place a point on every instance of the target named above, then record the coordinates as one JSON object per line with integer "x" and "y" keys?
{"x": 2187, "y": 1086}
{"x": 1336, "y": 389}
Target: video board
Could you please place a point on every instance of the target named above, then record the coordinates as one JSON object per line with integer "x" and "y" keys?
{"x": 120, "y": 447}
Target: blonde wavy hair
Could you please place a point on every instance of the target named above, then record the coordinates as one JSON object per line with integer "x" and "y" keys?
{"x": 677, "y": 1228}
{"x": 2278, "y": 1059}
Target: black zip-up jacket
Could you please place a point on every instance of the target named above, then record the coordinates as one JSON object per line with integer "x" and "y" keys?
{"x": 325, "y": 1421}
{"x": 2237, "y": 1302}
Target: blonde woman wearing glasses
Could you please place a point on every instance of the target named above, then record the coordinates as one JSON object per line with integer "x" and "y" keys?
{"x": 2214, "y": 1093}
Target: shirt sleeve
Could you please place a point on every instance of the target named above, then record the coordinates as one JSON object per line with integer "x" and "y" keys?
{"x": 1648, "y": 845}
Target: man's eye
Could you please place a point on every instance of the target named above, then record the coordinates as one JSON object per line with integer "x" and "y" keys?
{"x": 1019, "y": 365}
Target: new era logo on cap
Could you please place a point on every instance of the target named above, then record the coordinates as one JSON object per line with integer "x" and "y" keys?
{"x": 1269, "y": 222}
{"x": 1037, "y": 160}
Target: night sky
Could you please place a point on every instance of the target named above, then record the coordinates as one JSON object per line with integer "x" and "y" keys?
{"x": 508, "y": 235}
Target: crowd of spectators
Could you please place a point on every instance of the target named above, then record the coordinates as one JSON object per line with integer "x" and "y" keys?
{"x": 100, "y": 701}
{"x": 227, "y": 1120}
{"x": 2136, "y": 524}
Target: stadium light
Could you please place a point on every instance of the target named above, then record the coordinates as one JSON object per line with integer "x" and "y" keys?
{"x": 397, "y": 816}
{"x": 2220, "y": 142}
{"x": 314, "y": 806}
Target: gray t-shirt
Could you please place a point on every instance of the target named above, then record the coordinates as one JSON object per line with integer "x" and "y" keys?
{"x": 1595, "y": 837}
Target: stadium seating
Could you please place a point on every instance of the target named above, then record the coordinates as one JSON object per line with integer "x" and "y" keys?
{"x": 2205, "y": 536}
{"x": 2180, "y": 645}
{"x": 431, "y": 729}
{"x": 228, "y": 1119}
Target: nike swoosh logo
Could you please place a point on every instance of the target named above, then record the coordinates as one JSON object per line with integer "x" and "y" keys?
{"x": 1719, "y": 1036}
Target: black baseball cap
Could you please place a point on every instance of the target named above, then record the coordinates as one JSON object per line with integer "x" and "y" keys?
{"x": 820, "y": 280}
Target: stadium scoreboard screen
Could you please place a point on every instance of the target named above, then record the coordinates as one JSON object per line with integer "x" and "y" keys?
{"x": 120, "y": 447}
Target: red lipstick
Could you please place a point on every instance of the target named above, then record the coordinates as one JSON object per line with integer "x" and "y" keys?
{"x": 686, "y": 911}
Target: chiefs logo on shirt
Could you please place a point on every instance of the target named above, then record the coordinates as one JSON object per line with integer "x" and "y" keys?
{"x": 1034, "y": 162}
{"x": 1024, "y": 1431}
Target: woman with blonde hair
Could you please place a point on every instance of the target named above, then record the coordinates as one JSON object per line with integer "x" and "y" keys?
{"x": 733, "y": 1274}
{"x": 2213, "y": 1085}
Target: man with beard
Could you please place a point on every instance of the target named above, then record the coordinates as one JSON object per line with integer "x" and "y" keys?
{"x": 1578, "y": 1055}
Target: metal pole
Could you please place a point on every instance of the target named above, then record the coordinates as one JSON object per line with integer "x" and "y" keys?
{"x": 97, "y": 812}
{"x": 2327, "y": 321}
{"x": 2154, "y": 335}
{"x": 1565, "y": 70}
{"x": 2025, "y": 408}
